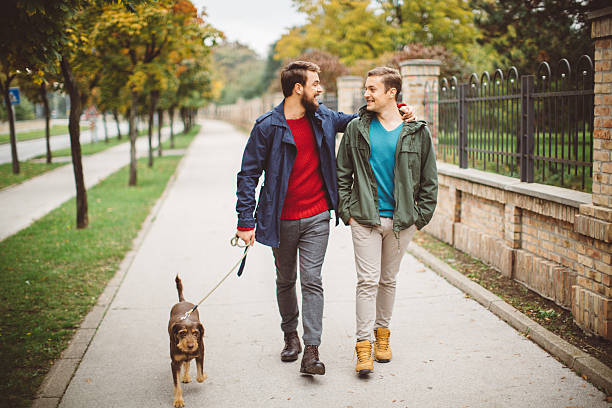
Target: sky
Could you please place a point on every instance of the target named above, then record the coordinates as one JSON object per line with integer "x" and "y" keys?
{"x": 256, "y": 23}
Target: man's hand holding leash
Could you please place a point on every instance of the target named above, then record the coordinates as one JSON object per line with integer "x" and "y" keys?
{"x": 248, "y": 237}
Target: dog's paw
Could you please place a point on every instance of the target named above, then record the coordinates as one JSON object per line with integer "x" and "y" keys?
{"x": 186, "y": 379}
{"x": 179, "y": 403}
{"x": 202, "y": 377}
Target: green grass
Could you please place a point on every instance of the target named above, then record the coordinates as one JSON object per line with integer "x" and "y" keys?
{"x": 100, "y": 145}
{"x": 37, "y": 134}
{"x": 27, "y": 169}
{"x": 51, "y": 274}
{"x": 544, "y": 173}
{"x": 91, "y": 148}
{"x": 31, "y": 169}
{"x": 182, "y": 140}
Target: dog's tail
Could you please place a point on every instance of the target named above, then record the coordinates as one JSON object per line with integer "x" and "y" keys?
{"x": 179, "y": 288}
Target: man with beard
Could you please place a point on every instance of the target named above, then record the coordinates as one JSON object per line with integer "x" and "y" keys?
{"x": 295, "y": 145}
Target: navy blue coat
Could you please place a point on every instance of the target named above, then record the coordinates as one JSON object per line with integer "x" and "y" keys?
{"x": 271, "y": 149}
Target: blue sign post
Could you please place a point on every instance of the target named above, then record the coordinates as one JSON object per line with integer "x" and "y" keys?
{"x": 14, "y": 96}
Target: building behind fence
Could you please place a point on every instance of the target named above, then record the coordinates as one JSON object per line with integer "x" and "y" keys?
{"x": 551, "y": 125}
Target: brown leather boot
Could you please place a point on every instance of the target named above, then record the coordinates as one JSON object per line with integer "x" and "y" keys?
{"x": 310, "y": 361}
{"x": 293, "y": 347}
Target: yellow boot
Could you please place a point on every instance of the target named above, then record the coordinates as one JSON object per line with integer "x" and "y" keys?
{"x": 365, "y": 363}
{"x": 382, "y": 351}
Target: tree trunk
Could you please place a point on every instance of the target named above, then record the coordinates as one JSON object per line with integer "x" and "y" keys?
{"x": 116, "y": 116}
{"x": 105, "y": 127}
{"x": 45, "y": 99}
{"x": 75, "y": 143}
{"x": 183, "y": 113}
{"x": 160, "y": 122}
{"x": 171, "y": 115}
{"x": 9, "y": 110}
{"x": 132, "y": 126}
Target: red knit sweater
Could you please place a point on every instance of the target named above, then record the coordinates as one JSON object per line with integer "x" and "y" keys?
{"x": 306, "y": 192}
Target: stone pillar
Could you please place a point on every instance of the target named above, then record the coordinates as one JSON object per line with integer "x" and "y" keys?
{"x": 350, "y": 90}
{"x": 592, "y": 295}
{"x": 419, "y": 75}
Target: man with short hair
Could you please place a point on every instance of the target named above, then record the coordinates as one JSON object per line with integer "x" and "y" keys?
{"x": 295, "y": 145}
{"x": 387, "y": 187}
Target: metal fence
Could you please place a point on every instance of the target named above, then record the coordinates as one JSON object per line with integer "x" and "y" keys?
{"x": 536, "y": 127}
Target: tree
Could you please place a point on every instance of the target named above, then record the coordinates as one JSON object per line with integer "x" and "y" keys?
{"x": 524, "y": 33}
{"x": 127, "y": 43}
{"x": 270, "y": 72}
{"x": 26, "y": 29}
{"x": 331, "y": 67}
{"x": 452, "y": 65}
{"x": 449, "y": 23}
{"x": 240, "y": 69}
{"x": 364, "y": 32}
{"x": 36, "y": 85}
{"x": 136, "y": 45}
{"x": 347, "y": 28}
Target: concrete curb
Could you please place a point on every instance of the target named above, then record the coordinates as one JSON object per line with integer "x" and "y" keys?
{"x": 580, "y": 362}
{"x": 58, "y": 378}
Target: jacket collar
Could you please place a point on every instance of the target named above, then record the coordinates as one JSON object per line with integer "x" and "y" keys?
{"x": 366, "y": 117}
{"x": 278, "y": 119}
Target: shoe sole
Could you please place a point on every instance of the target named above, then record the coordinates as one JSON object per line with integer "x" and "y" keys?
{"x": 383, "y": 360}
{"x": 313, "y": 371}
{"x": 364, "y": 372}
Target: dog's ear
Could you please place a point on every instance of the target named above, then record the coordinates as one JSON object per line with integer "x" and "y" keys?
{"x": 173, "y": 332}
{"x": 201, "y": 329}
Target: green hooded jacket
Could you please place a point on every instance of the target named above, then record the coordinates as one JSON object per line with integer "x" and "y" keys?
{"x": 415, "y": 175}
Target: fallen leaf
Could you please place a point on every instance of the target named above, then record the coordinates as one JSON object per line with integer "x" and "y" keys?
{"x": 421, "y": 270}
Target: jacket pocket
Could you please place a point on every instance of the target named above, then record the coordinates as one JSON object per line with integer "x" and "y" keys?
{"x": 410, "y": 158}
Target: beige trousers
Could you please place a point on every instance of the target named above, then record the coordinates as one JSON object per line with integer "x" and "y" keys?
{"x": 378, "y": 254}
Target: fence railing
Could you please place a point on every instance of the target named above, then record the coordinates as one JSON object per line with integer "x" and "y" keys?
{"x": 536, "y": 127}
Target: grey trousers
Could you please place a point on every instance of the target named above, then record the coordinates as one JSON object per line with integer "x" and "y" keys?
{"x": 306, "y": 238}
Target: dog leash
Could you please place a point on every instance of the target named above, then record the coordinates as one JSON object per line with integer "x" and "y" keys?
{"x": 234, "y": 242}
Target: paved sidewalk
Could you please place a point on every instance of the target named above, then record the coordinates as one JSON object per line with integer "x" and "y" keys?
{"x": 448, "y": 350}
{"x": 24, "y": 203}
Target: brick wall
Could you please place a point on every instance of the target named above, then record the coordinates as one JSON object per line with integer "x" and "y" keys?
{"x": 531, "y": 233}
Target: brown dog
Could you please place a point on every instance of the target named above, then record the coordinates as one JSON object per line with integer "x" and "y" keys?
{"x": 186, "y": 343}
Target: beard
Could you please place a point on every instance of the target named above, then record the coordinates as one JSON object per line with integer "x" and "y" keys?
{"x": 310, "y": 104}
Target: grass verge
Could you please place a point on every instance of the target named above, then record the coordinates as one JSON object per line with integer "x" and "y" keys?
{"x": 545, "y": 312}
{"x": 37, "y": 134}
{"x": 100, "y": 145}
{"x": 32, "y": 168}
{"x": 28, "y": 169}
{"x": 51, "y": 274}
{"x": 181, "y": 140}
